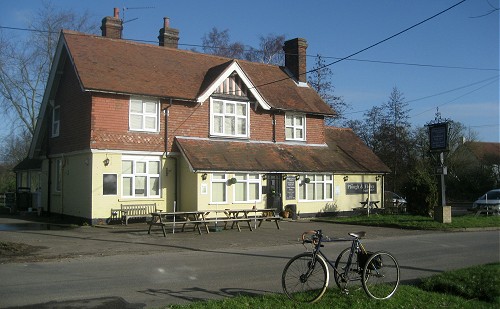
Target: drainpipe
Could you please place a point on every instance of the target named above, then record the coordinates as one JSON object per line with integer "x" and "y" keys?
{"x": 274, "y": 127}
{"x": 166, "y": 112}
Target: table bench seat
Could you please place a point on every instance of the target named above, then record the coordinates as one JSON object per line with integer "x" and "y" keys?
{"x": 229, "y": 220}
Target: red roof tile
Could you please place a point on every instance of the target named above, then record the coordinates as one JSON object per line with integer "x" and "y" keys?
{"x": 114, "y": 65}
{"x": 336, "y": 156}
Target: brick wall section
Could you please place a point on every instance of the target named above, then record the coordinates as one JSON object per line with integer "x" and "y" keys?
{"x": 74, "y": 131}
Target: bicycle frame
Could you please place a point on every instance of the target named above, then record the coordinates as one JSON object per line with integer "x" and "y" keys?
{"x": 356, "y": 246}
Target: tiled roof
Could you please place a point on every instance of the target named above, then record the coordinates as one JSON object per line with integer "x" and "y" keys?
{"x": 340, "y": 154}
{"x": 485, "y": 152}
{"x": 115, "y": 65}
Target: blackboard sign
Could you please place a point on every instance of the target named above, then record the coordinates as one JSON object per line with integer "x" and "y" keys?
{"x": 360, "y": 187}
{"x": 290, "y": 187}
{"x": 438, "y": 136}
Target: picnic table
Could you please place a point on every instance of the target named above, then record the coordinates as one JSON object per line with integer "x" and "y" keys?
{"x": 256, "y": 214}
{"x": 163, "y": 219}
{"x": 371, "y": 204}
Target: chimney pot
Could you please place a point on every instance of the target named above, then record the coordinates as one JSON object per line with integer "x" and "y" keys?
{"x": 116, "y": 13}
{"x": 166, "y": 22}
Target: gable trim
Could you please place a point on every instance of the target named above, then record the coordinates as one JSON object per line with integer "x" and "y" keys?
{"x": 234, "y": 67}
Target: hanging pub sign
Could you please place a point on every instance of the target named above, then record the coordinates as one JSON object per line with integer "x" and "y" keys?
{"x": 360, "y": 187}
{"x": 438, "y": 136}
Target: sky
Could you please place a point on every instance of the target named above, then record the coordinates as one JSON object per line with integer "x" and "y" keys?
{"x": 449, "y": 63}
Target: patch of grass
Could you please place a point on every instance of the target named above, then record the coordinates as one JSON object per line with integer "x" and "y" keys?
{"x": 418, "y": 222}
{"x": 434, "y": 292}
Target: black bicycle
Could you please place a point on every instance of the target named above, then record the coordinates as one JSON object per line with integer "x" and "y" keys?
{"x": 306, "y": 276}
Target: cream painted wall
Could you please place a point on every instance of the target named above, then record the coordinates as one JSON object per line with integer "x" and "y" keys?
{"x": 102, "y": 204}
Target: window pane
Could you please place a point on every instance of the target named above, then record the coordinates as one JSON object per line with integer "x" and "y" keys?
{"x": 218, "y": 192}
{"x": 329, "y": 191}
{"x": 135, "y": 121}
{"x": 288, "y": 120}
{"x": 240, "y": 191}
{"x": 299, "y": 134}
{"x": 136, "y": 106}
{"x": 241, "y": 110}
{"x": 150, "y": 107}
{"x": 140, "y": 167}
{"x": 154, "y": 167}
{"x": 127, "y": 186}
{"x": 154, "y": 186}
{"x": 241, "y": 127}
{"x": 218, "y": 176}
{"x": 253, "y": 191}
{"x": 289, "y": 132}
{"x": 150, "y": 123}
{"x": 140, "y": 186}
{"x": 218, "y": 107}
{"x": 310, "y": 191}
{"x": 298, "y": 120}
{"x": 230, "y": 109}
{"x": 253, "y": 176}
{"x": 319, "y": 191}
{"x": 109, "y": 184}
{"x": 218, "y": 124}
{"x": 127, "y": 167}
{"x": 240, "y": 176}
{"x": 230, "y": 125}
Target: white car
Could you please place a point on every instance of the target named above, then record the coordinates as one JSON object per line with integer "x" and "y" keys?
{"x": 490, "y": 200}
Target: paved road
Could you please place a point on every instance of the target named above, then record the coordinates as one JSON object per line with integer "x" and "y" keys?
{"x": 161, "y": 278}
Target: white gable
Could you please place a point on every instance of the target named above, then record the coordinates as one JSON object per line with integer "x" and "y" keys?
{"x": 218, "y": 83}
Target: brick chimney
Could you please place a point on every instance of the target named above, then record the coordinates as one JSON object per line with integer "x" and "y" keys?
{"x": 169, "y": 37}
{"x": 295, "y": 58}
{"x": 112, "y": 26}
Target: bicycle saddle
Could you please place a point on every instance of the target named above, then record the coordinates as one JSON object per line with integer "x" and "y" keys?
{"x": 358, "y": 234}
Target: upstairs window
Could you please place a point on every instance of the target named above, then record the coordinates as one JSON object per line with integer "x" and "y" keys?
{"x": 56, "y": 121}
{"x": 144, "y": 115}
{"x": 295, "y": 127}
{"x": 229, "y": 118}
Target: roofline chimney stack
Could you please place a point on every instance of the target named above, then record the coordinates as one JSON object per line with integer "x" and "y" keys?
{"x": 295, "y": 58}
{"x": 112, "y": 26}
{"x": 169, "y": 37}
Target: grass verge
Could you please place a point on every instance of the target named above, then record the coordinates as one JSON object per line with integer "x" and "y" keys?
{"x": 418, "y": 222}
{"x": 475, "y": 288}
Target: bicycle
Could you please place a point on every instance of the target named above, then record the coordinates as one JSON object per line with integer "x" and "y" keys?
{"x": 306, "y": 276}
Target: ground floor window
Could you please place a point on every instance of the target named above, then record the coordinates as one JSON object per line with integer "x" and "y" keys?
{"x": 109, "y": 184}
{"x": 247, "y": 188}
{"x": 140, "y": 176}
{"x": 218, "y": 184}
{"x": 317, "y": 187}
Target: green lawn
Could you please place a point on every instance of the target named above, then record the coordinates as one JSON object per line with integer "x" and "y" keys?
{"x": 474, "y": 287}
{"x": 419, "y": 222}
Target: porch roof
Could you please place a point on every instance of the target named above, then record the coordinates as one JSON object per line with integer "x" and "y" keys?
{"x": 344, "y": 152}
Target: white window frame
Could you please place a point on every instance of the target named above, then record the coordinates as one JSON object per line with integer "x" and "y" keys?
{"x": 315, "y": 181}
{"x": 223, "y": 180}
{"x": 245, "y": 180}
{"x": 147, "y": 174}
{"x": 295, "y": 127}
{"x": 144, "y": 115}
{"x": 226, "y": 114}
{"x": 56, "y": 123}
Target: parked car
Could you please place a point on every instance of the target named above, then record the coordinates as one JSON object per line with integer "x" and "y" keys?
{"x": 394, "y": 198}
{"x": 490, "y": 200}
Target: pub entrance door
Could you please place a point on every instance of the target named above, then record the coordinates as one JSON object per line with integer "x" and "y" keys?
{"x": 274, "y": 192}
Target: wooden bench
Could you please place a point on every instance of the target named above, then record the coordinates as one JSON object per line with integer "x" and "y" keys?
{"x": 196, "y": 225}
{"x": 276, "y": 220}
{"x": 134, "y": 211}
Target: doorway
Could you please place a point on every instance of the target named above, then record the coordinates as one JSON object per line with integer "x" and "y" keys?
{"x": 274, "y": 192}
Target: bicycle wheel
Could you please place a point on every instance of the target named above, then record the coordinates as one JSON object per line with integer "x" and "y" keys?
{"x": 381, "y": 275}
{"x": 305, "y": 280}
{"x": 341, "y": 263}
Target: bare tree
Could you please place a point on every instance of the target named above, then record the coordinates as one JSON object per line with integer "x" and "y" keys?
{"x": 25, "y": 64}
{"x": 320, "y": 78}
{"x": 270, "y": 49}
